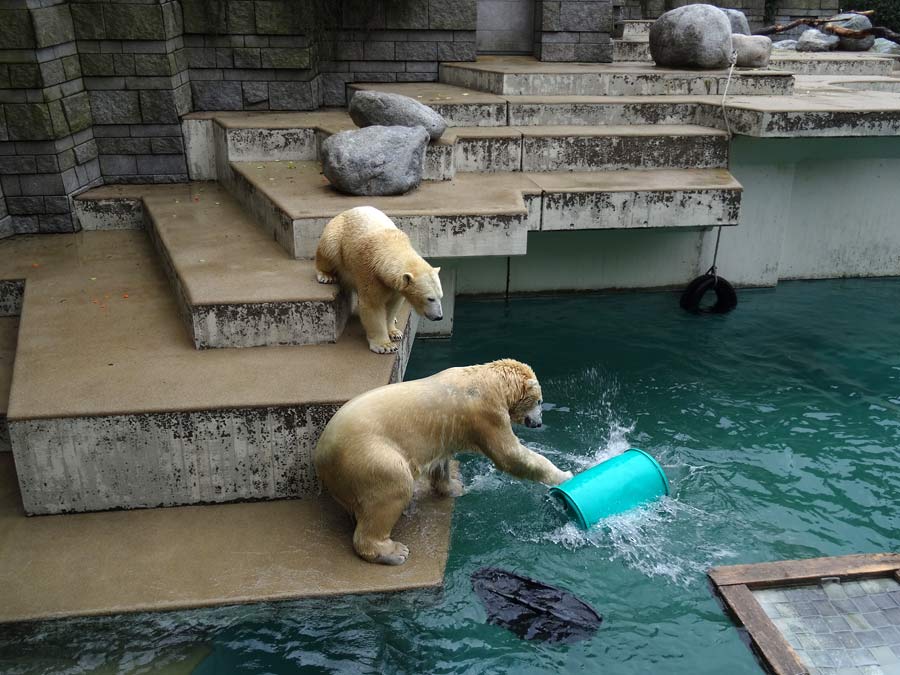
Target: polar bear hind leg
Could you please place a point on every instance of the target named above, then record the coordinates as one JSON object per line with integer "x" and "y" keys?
{"x": 378, "y": 511}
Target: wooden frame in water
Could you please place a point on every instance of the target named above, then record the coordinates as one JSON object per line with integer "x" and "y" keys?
{"x": 739, "y": 587}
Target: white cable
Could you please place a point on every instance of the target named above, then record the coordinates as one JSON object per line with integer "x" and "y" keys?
{"x": 733, "y": 61}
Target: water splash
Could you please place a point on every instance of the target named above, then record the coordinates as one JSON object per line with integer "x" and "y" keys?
{"x": 643, "y": 539}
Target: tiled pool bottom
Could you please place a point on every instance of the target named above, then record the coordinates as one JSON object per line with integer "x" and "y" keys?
{"x": 840, "y": 628}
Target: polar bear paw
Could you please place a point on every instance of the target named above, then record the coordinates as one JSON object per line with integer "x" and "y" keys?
{"x": 394, "y": 554}
{"x": 383, "y": 348}
{"x": 395, "y": 334}
{"x": 323, "y": 278}
{"x": 450, "y": 488}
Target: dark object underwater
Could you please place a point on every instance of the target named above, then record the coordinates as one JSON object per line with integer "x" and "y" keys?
{"x": 533, "y": 610}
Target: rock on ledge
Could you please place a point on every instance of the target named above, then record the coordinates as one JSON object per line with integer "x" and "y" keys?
{"x": 753, "y": 51}
{"x": 376, "y": 160}
{"x": 692, "y": 36}
{"x": 368, "y": 108}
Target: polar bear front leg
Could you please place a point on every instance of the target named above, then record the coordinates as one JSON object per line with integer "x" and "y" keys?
{"x": 443, "y": 482}
{"x": 374, "y": 320}
{"x": 511, "y": 457}
{"x": 393, "y": 309}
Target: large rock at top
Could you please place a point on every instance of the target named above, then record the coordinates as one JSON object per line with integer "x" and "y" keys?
{"x": 692, "y": 36}
{"x": 371, "y": 108}
{"x": 813, "y": 40}
{"x": 376, "y": 160}
{"x": 739, "y": 23}
{"x": 753, "y": 51}
{"x": 853, "y": 22}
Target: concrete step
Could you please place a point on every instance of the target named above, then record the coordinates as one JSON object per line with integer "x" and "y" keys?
{"x": 526, "y": 76}
{"x": 636, "y": 28}
{"x": 832, "y": 63}
{"x": 606, "y": 148}
{"x": 199, "y": 556}
{"x": 9, "y": 328}
{"x": 111, "y": 406}
{"x": 471, "y": 215}
{"x": 632, "y": 51}
{"x": 576, "y": 148}
{"x": 847, "y": 106}
{"x": 491, "y": 214}
{"x": 454, "y": 104}
{"x": 235, "y": 286}
{"x": 490, "y": 149}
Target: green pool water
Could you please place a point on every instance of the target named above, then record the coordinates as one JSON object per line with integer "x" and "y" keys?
{"x": 778, "y": 425}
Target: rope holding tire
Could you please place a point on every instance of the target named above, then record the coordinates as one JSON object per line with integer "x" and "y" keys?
{"x": 726, "y": 297}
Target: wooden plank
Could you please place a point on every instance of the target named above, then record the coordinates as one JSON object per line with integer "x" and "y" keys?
{"x": 768, "y": 640}
{"x": 791, "y": 572}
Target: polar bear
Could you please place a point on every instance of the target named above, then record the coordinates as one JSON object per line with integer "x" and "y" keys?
{"x": 363, "y": 249}
{"x": 378, "y": 444}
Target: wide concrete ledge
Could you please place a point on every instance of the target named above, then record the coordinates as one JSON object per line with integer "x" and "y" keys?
{"x": 491, "y": 214}
{"x": 832, "y": 63}
{"x": 198, "y": 556}
{"x": 819, "y": 107}
{"x": 473, "y": 214}
{"x": 9, "y": 329}
{"x": 523, "y": 75}
{"x": 235, "y": 286}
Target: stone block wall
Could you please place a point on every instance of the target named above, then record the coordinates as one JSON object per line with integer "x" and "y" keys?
{"x": 47, "y": 148}
{"x": 290, "y": 55}
{"x": 135, "y": 72}
{"x": 573, "y": 30}
{"x": 394, "y": 41}
{"x": 755, "y": 10}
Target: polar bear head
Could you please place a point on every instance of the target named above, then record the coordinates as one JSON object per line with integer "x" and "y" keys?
{"x": 422, "y": 289}
{"x": 523, "y": 391}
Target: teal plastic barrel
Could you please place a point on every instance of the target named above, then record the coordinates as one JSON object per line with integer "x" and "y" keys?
{"x": 614, "y": 486}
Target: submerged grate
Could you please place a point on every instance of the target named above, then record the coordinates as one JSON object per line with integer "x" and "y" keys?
{"x": 851, "y": 627}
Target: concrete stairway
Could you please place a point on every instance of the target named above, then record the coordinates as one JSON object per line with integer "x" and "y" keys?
{"x": 112, "y": 405}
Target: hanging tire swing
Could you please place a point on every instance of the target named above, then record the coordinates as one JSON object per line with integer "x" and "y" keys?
{"x": 726, "y": 297}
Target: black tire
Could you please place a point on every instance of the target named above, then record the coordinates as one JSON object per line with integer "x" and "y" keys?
{"x": 726, "y": 298}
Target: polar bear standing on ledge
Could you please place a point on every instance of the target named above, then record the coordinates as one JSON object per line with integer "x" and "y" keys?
{"x": 375, "y": 448}
{"x": 363, "y": 249}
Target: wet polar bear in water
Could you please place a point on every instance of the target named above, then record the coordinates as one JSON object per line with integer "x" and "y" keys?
{"x": 376, "y": 446}
{"x": 363, "y": 249}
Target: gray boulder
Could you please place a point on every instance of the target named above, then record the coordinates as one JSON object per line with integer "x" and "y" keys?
{"x": 883, "y": 46}
{"x": 790, "y": 45}
{"x": 371, "y": 108}
{"x": 813, "y": 40}
{"x": 376, "y": 160}
{"x": 753, "y": 51}
{"x": 692, "y": 36}
{"x": 739, "y": 23}
{"x": 853, "y": 22}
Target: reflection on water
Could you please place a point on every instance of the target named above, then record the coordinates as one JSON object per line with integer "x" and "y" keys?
{"x": 779, "y": 428}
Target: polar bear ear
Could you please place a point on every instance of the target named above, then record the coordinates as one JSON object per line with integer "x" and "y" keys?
{"x": 406, "y": 279}
{"x": 436, "y": 270}
{"x": 531, "y": 383}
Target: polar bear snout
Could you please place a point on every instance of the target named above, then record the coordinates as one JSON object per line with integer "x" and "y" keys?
{"x": 433, "y": 310}
{"x": 533, "y": 418}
